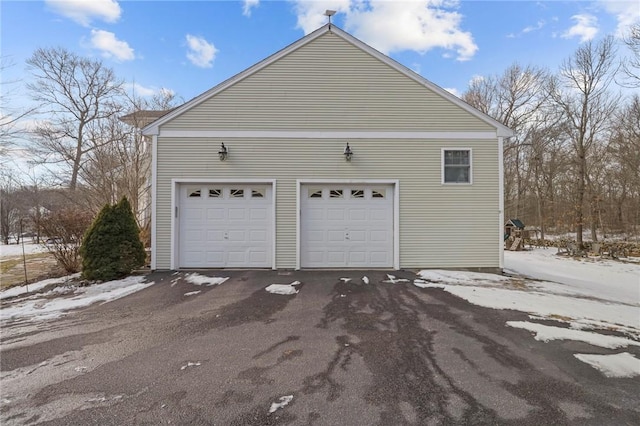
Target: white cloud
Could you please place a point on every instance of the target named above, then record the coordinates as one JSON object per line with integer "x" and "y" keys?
{"x": 586, "y": 27}
{"x": 626, "y": 12}
{"x": 146, "y": 92}
{"x": 392, "y": 26}
{"x": 201, "y": 53}
{"x": 85, "y": 11}
{"x": 248, "y": 5}
{"x": 110, "y": 46}
{"x": 532, "y": 28}
{"x": 453, "y": 91}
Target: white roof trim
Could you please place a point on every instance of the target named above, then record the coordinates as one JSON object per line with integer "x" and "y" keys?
{"x": 153, "y": 128}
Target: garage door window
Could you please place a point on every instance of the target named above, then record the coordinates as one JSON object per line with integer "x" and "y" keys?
{"x": 237, "y": 193}
{"x": 257, "y": 193}
{"x": 215, "y": 193}
{"x": 377, "y": 193}
{"x": 335, "y": 193}
{"x": 357, "y": 193}
{"x": 456, "y": 166}
{"x": 194, "y": 193}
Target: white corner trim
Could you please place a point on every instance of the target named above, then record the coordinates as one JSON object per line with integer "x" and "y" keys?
{"x": 175, "y": 196}
{"x": 442, "y": 182}
{"x": 298, "y": 207}
{"x": 274, "y": 224}
{"x": 501, "y": 201}
{"x": 288, "y": 134}
{"x": 396, "y": 209}
{"x": 396, "y": 225}
{"x": 154, "y": 197}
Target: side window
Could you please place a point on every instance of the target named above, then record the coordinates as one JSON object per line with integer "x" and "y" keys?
{"x": 456, "y": 166}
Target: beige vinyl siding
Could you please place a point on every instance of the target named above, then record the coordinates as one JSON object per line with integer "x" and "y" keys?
{"x": 328, "y": 84}
{"x": 440, "y": 225}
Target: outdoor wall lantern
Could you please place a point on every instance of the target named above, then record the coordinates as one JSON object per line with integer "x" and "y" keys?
{"x": 223, "y": 152}
{"x": 348, "y": 153}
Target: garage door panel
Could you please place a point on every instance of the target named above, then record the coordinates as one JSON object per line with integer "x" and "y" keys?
{"x": 225, "y": 226}
{"x": 357, "y": 256}
{"x": 358, "y": 236}
{"x": 335, "y": 214}
{"x": 258, "y": 214}
{"x": 357, "y": 214}
{"x": 194, "y": 213}
{"x": 356, "y": 222}
{"x": 215, "y": 214}
{"x": 237, "y": 214}
{"x": 379, "y": 236}
{"x": 335, "y": 236}
{"x": 378, "y": 214}
{"x": 336, "y": 258}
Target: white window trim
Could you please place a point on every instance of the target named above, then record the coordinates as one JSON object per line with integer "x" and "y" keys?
{"x": 175, "y": 197}
{"x": 470, "y": 166}
{"x": 396, "y": 209}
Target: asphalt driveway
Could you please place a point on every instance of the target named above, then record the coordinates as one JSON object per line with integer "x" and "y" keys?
{"x": 346, "y": 353}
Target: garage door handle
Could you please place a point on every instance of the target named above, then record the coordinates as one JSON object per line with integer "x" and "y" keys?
{"x": 346, "y": 236}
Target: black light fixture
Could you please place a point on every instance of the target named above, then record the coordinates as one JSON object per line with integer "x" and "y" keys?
{"x": 223, "y": 152}
{"x": 348, "y": 153}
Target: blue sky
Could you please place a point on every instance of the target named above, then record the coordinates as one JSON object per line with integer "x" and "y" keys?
{"x": 190, "y": 46}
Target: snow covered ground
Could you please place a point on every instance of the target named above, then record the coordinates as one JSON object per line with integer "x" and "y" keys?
{"x": 601, "y": 296}
{"x": 15, "y": 250}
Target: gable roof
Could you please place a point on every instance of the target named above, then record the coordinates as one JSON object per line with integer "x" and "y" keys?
{"x": 516, "y": 222}
{"x": 153, "y": 128}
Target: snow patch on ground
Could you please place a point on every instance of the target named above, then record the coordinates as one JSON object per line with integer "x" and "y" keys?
{"x": 393, "y": 280}
{"x": 618, "y": 365}
{"x": 197, "y": 279}
{"x": 598, "y": 278}
{"x": 365, "y": 279}
{"x": 190, "y": 364}
{"x": 283, "y": 289}
{"x": 15, "y": 250}
{"x": 192, "y": 293}
{"x": 19, "y": 290}
{"x": 547, "y": 333}
{"x": 461, "y": 277}
{"x": 282, "y": 402}
{"x": 40, "y": 306}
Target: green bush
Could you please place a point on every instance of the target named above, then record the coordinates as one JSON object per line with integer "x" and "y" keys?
{"x": 111, "y": 248}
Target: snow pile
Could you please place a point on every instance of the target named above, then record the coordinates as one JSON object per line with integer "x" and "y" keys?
{"x": 40, "y": 307}
{"x": 345, "y": 280}
{"x": 282, "y": 402}
{"x": 547, "y": 333}
{"x": 197, "y": 279}
{"x": 284, "y": 289}
{"x": 365, "y": 279}
{"x": 618, "y": 365}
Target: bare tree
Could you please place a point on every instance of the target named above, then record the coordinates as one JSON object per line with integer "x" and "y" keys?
{"x": 631, "y": 66}
{"x": 76, "y": 94}
{"x": 9, "y": 117}
{"x": 581, "y": 90}
{"x": 518, "y": 99}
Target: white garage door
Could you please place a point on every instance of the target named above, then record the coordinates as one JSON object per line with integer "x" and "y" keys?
{"x": 346, "y": 226}
{"x": 224, "y": 226}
